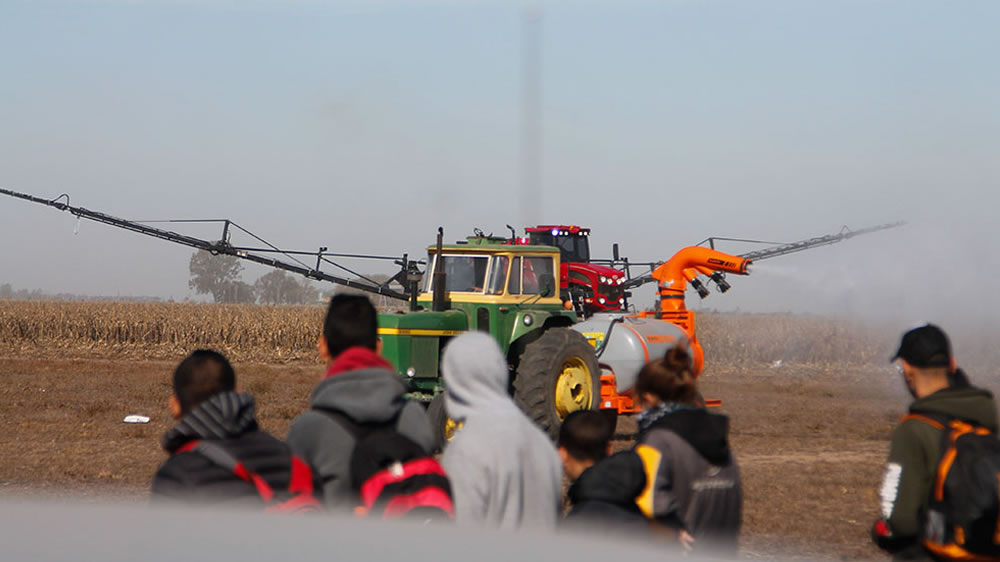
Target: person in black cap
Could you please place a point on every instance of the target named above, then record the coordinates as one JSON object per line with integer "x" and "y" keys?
{"x": 940, "y": 391}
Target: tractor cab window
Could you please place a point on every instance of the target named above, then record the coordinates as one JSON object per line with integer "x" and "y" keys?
{"x": 536, "y": 274}
{"x": 572, "y": 247}
{"x": 514, "y": 287}
{"x": 498, "y": 275}
{"x": 465, "y": 274}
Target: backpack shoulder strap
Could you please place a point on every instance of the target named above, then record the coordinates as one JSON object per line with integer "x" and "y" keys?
{"x": 219, "y": 456}
{"x": 947, "y": 423}
{"x": 934, "y": 420}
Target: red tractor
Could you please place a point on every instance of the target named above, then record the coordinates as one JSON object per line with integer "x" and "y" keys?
{"x": 591, "y": 287}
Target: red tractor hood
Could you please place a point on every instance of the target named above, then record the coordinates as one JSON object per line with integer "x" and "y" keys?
{"x": 597, "y": 269}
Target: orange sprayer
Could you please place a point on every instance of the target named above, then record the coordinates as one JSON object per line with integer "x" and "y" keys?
{"x": 673, "y": 278}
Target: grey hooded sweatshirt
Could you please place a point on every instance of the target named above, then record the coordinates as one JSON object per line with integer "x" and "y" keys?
{"x": 504, "y": 471}
{"x": 367, "y": 395}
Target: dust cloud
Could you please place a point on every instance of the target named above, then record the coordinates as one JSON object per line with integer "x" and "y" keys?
{"x": 926, "y": 271}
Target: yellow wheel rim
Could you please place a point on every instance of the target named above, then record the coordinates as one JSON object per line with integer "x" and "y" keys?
{"x": 574, "y": 387}
{"x": 451, "y": 428}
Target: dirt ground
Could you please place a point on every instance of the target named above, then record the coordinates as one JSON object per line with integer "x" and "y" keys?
{"x": 810, "y": 440}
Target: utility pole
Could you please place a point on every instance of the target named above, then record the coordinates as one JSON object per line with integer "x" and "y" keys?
{"x": 531, "y": 97}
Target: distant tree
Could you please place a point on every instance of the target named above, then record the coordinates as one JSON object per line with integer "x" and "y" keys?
{"x": 6, "y": 291}
{"x": 218, "y": 276}
{"x": 278, "y": 287}
{"x": 238, "y": 292}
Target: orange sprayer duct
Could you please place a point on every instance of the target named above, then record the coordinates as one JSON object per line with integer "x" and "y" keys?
{"x": 673, "y": 277}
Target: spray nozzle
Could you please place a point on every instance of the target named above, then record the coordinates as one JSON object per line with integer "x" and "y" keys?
{"x": 720, "y": 282}
{"x": 702, "y": 290}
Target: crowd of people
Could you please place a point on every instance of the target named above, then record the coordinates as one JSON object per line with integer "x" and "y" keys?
{"x": 364, "y": 448}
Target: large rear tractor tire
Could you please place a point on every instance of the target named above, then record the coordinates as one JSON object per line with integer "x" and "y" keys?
{"x": 557, "y": 374}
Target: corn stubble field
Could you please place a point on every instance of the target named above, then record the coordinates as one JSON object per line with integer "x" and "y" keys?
{"x": 811, "y": 400}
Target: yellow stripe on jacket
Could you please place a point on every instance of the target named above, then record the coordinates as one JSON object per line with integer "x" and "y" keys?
{"x": 651, "y": 464}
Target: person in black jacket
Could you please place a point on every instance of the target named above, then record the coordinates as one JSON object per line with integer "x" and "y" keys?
{"x": 209, "y": 409}
{"x": 695, "y": 490}
{"x": 605, "y": 486}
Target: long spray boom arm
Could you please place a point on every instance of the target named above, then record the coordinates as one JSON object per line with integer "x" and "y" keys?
{"x": 224, "y": 247}
{"x": 767, "y": 253}
{"x": 792, "y": 247}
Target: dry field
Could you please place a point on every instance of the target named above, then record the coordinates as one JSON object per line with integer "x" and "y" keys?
{"x": 810, "y": 434}
{"x": 157, "y": 330}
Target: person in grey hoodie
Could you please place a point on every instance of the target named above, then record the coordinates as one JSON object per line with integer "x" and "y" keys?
{"x": 504, "y": 471}
{"x": 360, "y": 386}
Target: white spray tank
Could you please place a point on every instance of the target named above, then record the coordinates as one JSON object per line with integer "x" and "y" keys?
{"x": 627, "y": 343}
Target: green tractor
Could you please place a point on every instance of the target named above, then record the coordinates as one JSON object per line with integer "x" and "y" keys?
{"x": 510, "y": 292}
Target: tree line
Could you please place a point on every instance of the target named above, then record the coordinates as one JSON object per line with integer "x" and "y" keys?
{"x": 221, "y": 277}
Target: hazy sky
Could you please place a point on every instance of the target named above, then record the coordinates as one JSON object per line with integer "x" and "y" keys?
{"x": 364, "y": 125}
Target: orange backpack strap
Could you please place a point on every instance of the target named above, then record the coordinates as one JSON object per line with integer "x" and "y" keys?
{"x": 920, "y": 417}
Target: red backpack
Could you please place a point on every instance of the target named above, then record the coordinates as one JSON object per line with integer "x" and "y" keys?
{"x": 298, "y": 498}
{"x": 393, "y": 477}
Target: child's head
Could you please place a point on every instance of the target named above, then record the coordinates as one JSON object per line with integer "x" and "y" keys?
{"x": 351, "y": 321}
{"x": 584, "y": 439}
{"x": 667, "y": 380}
{"x": 198, "y": 377}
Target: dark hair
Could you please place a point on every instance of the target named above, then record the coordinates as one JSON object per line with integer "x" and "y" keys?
{"x": 351, "y": 321}
{"x": 670, "y": 379}
{"x": 200, "y": 376}
{"x": 585, "y": 435}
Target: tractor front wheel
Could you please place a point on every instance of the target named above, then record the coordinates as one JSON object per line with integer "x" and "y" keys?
{"x": 557, "y": 374}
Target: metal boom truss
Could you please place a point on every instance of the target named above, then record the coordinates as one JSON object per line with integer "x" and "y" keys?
{"x": 256, "y": 255}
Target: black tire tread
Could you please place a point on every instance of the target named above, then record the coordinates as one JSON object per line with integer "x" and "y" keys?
{"x": 438, "y": 417}
{"x": 534, "y": 383}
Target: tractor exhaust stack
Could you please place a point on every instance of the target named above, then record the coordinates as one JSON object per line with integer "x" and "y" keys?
{"x": 439, "y": 302}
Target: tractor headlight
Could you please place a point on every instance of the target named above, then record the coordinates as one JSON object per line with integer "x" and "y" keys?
{"x": 604, "y": 280}
{"x": 555, "y": 232}
{"x": 601, "y": 300}
{"x": 528, "y": 320}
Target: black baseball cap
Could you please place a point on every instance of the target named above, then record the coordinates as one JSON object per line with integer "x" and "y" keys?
{"x": 925, "y": 346}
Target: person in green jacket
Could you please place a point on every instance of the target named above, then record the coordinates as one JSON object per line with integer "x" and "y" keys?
{"x": 940, "y": 390}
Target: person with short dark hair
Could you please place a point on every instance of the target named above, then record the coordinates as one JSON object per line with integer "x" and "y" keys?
{"x": 605, "y": 486}
{"x": 209, "y": 409}
{"x": 584, "y": 438}
{"x": 941, "y": 392}
{"x": 693, "y": 482}
{"x": 362, "y": 387}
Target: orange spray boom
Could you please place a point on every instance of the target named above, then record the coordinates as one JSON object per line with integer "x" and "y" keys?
{"x": 675, "y": 275}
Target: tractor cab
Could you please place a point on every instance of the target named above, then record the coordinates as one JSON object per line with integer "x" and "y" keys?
{"x": 573, "y": 241}
{"x": 472, "y": 274}
{"x": 591, "y": 287}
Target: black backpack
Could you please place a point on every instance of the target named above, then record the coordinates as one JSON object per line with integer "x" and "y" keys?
{"x": 393, "y": 477}
{"x": 298, "y": 498}
{"x": 963, "y": 510}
